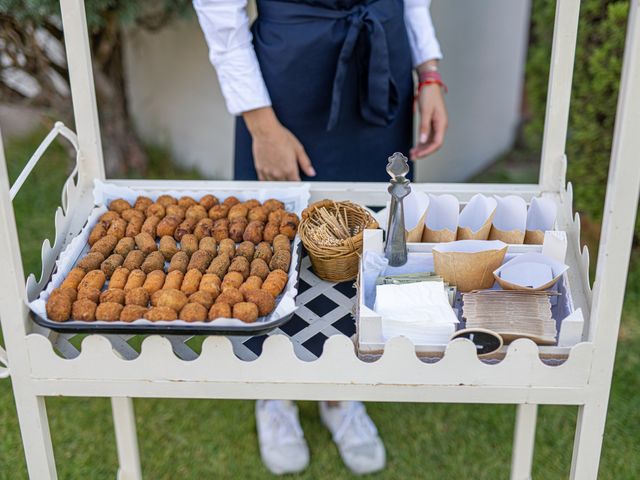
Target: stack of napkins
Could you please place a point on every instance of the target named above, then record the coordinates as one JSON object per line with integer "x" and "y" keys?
{"x": 419, "y": 311}
{"x": 511, "y": 313}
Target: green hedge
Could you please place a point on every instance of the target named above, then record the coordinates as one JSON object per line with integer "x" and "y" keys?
{"x": 601, "y": 36}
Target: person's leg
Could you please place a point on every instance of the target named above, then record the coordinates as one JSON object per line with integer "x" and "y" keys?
{"x": 282, "y": 445}
{"x": 355, "y": 435}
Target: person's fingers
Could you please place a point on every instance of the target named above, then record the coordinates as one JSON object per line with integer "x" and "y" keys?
{"x": 425, "y": 127}
{"x": 305, "y": 162}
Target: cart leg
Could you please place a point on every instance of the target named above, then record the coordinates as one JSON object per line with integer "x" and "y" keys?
{"x": 524, "y": 439}
{"x": 588, "y": 441}
{"x": 36, "y": 437}
{"x": 124, "y": 422}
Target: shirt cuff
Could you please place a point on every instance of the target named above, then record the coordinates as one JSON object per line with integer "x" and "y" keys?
{"x": 241, "y": 80}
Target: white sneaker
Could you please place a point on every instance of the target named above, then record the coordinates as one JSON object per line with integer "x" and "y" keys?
{"x": 282, "y": 445}
{"x": 355, "y": 436}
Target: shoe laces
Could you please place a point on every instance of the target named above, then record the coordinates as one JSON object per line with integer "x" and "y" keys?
{"x": 283, "y": 422}
{"x": 356, "y": 427}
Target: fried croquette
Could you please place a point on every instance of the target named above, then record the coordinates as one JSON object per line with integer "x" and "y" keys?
{"x": 136, "y": 279}
{"x": 246, "y": 250}
{"x": 218, "y": 212}
{"x": 131, "y": 313}
{"x": 219, "y": 310}
{"x": 232, "y": 280}
{"x": 94, "y": 279}
{"x": 112, "y": 295}
{"x": 91, "y": 261}
{"x": 118, "y": 228}
{"x": 273, "y": 204}
{"x": 196, "y": 213}
{"x": 154, "y": 261}
{"x": 242, "y": 265}
{"x": 167, "y": 226}
{"x": 173, "y": 280}
{"x": 154, "y": 281}
{"x": 231, "y": 201}
{"x": 108, "y": 312}
{"x": 281, "y": 242}
{"x": 119, "y": 278}
{"x": 119, "y": 205}
{"x": 289, "y": 225}
{"x": 136, "y": 296}
{"x": 89, "y": 293}
{"x": 84, "y": 310}
{"x": 97, "y": 233}
{"x": 133, "y": 260}
{"x": 270, "y": 232}
{"x": 211, "y": 284}
{"x": 208, "y": 201}
{"x": 155, "y": 210}
{"x": 74, "y": 278}
{"x": 124, "y": 246}
{"x": 168, "y": 247}
{"x": 254, "y": 232}
{"x": 203, "y": 298}
{"x": 166, "y": 200}
{"x": 220, "y": 229}
{"x": 245, "y": 311}
{"x": 176, "y": 211}
{"x": 171, "y": 298}
{"x": 179, "y": 262}
{"x": 58, "y": 306}
{"x": 237, "y": 228}
{"x": 237, "y": 212}
{"x": 105, "y": 245}
{"x": 263, "y": 300}
{"x": 156, "y": 314}
{"x": 146, "y": 243}
{"x": 110, "y": 264}
{"x": 186, "y": 201}
{"x": 191, "y": 281}
{"x": 228, "y": 247}
{"x": 189, "y": 244}
{"x": 203, "y": 229}
{"x": 193, "y": 312}
{"x": 259, "y": 268}
{"x": 230, "y": 296}
{"x": 150, "y": 226}
{"x": 219, "y": 265}
{"x": 142, "y": 203}
{"x": 186, "y": 227}
{"x": 210, "y": 245}
{"x": 134, "y": 227}
{"x": 200, "y": 260}
{"x": 281, "y": 261}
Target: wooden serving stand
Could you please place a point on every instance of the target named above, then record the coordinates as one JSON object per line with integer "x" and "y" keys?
{"x": 105, "y": 367}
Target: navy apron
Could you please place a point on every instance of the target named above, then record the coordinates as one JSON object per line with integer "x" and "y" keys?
{"x": 339, "y": 76}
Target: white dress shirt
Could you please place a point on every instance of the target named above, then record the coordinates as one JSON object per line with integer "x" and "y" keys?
{"x": 225, "y": 24}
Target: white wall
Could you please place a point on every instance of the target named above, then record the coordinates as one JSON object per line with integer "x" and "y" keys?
{"x": 176, "y": 101}
{"x": 175, "y": 98}
{"x": 484, "y": 47}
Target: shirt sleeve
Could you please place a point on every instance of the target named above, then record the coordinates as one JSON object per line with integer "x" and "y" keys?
{"x": 422, "y": 35}
{"x": 225, "y": 24}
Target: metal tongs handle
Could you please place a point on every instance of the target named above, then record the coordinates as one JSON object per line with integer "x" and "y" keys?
{"x": 395, "y": 249}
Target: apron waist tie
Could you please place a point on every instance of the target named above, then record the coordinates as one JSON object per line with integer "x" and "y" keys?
{"x": 379, "y": 95}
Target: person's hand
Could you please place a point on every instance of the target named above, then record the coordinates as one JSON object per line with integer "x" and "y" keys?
{"x": 433, "y": 121}
{"x": 277, "y": 153}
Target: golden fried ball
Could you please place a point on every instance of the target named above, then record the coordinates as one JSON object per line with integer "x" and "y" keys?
{"x": 230, "y": 296}
{"x": 193, "y": 312}
{"x": 220, "y": 310}
{"x": 132, "y": 312}
{"x": 108, "y": 312}
{"x": 263, "y": 300}
{"x": 136, "y": 296}
{"x": 245, "y": 311}
{"x": 171, "y": 298}
{"x": 113, "y": 295}
{"x": 84, "y": 310}
{"x": 156, "y": 314}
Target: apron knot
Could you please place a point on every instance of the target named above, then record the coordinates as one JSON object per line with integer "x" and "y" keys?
{"x": 378, "y": 92}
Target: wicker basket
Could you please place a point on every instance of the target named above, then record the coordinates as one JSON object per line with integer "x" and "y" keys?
{"x": 335, "y": 261}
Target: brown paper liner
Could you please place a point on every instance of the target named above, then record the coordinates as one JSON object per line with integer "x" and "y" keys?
{"x": 437, "y": 236}
{"x": 468, "y": 271}
{"x": 465, "y": 233}
{"x": 512, "y": 286}
{"x": 513, "y": 237}
{"x": 534, "y": 237}
{"x": 415, "y": 235}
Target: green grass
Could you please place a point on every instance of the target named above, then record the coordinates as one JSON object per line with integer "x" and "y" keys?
{"x": 216, "y": 439}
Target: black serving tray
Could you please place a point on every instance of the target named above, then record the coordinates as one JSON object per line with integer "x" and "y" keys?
{"x": 259, "y": 327}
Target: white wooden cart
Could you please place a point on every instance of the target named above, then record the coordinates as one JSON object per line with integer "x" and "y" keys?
{"x": 521, "y": 378}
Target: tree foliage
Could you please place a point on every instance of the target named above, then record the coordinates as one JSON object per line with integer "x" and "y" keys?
{"x": 33, "y": 69}
{"x": 597, "y": 71}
